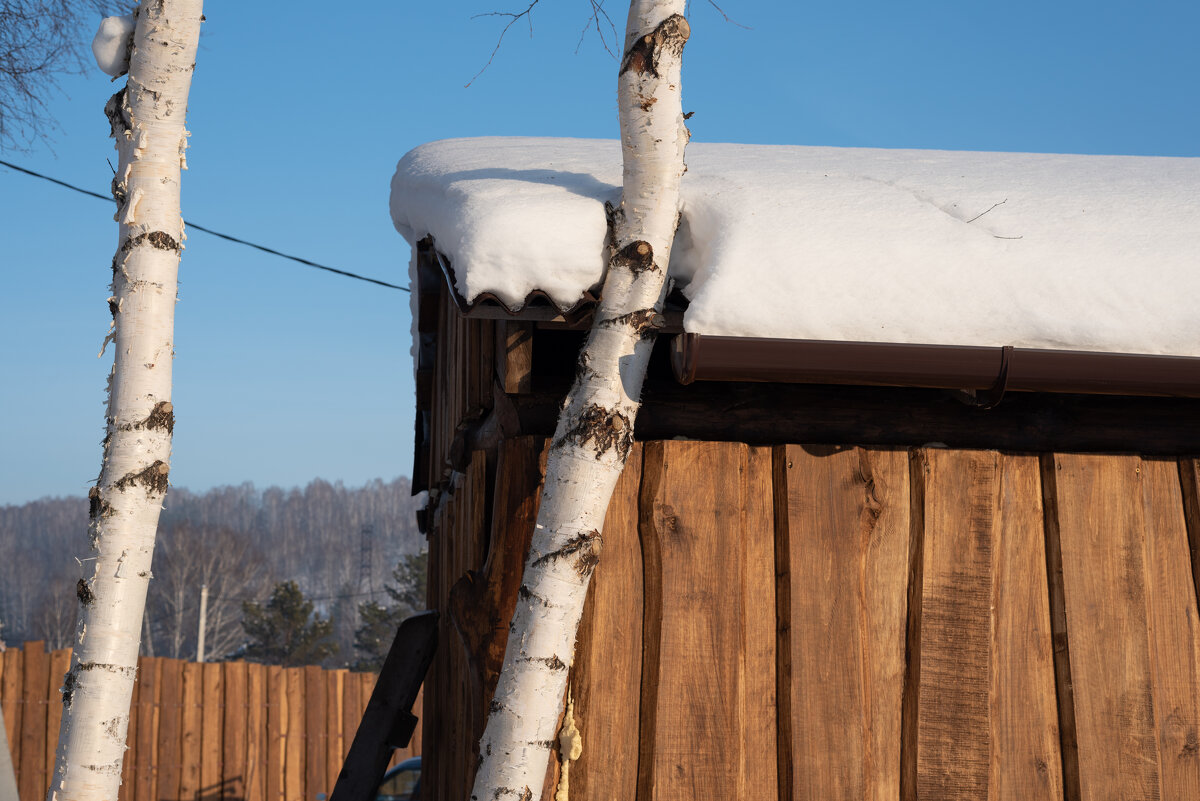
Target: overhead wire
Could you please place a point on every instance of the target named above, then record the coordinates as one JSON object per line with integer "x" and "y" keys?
{"x": 207, "y": 230}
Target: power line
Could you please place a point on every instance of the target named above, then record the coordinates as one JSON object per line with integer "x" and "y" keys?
{"x": 207, "y": 230}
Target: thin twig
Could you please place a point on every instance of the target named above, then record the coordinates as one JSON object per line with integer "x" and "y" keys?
{"x": 513, "y": 18}
{"x": 980, "y": 214}
{"x": 598, "y": 12}
{"x": 728, "y": 19}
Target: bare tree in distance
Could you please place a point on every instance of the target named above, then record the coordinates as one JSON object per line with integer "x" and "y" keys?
{"x": 41, "y": 40}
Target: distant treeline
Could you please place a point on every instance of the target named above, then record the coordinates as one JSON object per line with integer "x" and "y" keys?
{"x": 340, "y": 545}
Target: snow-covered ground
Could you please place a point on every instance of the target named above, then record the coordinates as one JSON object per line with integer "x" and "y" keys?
{"x": 1054, "y": 251}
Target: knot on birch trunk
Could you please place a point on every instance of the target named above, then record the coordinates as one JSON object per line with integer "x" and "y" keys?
{"x": 158, "y": 240}
{"x": 606, "y": 430}
{"x": 637, "y": 257}
{"x": 162, "y": 417}
{"x": 84, "y": 593}
{"x": 153, "y": 478}
{"x": 669, "y": 37}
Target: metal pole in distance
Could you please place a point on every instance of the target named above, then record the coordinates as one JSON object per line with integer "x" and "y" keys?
{"x": 203, "y": 615}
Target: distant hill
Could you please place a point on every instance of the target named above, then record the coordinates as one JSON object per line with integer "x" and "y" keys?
{"x": 239, "y": 540}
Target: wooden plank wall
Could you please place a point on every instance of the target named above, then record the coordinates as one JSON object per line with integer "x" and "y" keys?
{"x": 231, "y": 731}
{"x": 806, "y": 622}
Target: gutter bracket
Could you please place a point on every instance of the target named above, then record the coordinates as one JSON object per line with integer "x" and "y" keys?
{"x": 989, "y": 398}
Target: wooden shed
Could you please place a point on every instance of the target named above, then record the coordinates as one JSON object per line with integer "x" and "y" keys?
{"x": 828, "y": 573}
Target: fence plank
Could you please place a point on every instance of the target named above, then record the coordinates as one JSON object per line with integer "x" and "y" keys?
{"x": 844, "y": 533}
{"x": 314, "y": 728}
{"x": 34, "y": 781}
{"x": 14, "y": 684}
{"x": 333, "y": 725}
{"x": 212, "y": 717}
{"x": 1101, "y": 534}
{"x": 145, "y": 776}
{"x": 170, "y": 731}
{"x": 256, "y": 732}
{"x": 192, "y": 731}
{"x": 233, "y": 746}
{"x": 350, "y": 713}
{"x": 606, "y": 676}
{"x": 60, "y": 662}
{"x": 277, "y": 725}
{"x": 293, "y": 784}
{"x": 1172, "y": 620}
{"x": 694, "y": 742}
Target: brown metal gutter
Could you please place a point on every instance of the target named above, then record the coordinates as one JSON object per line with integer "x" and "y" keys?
{"x": 709, "y": 358}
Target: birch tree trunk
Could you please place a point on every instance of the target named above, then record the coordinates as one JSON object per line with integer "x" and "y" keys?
{"x": 147, "y": 118}
{"x": 595, "y": 428}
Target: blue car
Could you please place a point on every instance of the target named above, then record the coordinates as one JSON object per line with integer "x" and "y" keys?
{"x": 401, "y": 783}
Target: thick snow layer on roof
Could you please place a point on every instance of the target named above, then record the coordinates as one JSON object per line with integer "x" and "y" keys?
{"x": 1077, "y": 252}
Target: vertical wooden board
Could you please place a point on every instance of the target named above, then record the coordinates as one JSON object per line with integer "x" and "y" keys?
{"x": 843, "y": 542}
{"x": 256, "y": 732}
{"x": 758, "y": 712}
{"x": 192, "y": 731}
{"x": 60, "y": 662}
{"x": 293, "y": 773}
{"x": 129, "y": 763}
{"x": 1174, "y": 635}
{"x": 233, "y": 745}
{"x": 212, "y": 726}
{"x": 349, "y": 706}
{"x": 170, "y": 730}
{"x": 277, "y": 726}
{"x": 34, "y": 779}
{"x": 333, "y": 725}
{"x": 1025, "y": 756}
{"x": 694, "y": 677}
{"x": 1101, "y": 531}
{"x": 12, "y": 687}
{"x": 1189, "y": 475}
{"x": 606, "y": 676}
{"x": 314, "y": 728}
{"x": 146, "y": 775}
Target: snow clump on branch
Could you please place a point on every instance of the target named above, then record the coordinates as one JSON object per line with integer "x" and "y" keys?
{"x": 111, "y": 44}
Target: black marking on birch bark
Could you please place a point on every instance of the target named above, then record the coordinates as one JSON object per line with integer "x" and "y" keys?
{"x": 582, "y": 367}
{"x": 112, "y": 728}
{"x": 153, "y": 478}
{"x": 522, "y": 795}
{"x": 669, "y": 37}
{"x": 117, "y": 109}
{"x": 644, "y": 322}
{"x": 162, "y": 416}
{"x": 526, "y": 594}
{"x": 552, "y": 662}
{"x": 606, "y": 430}
{"x": 540, "y": 743}
{"x": 637, "y": 257}
{"x": 98, "y": 508}
{"x": 85, "y": 594}
{"x": 114, "y": 306}
{"x": 583, "y": 548}
{"x": 156, "y": 239}
{"x": 494, "y": 707}
{"x": 68, "y": 689}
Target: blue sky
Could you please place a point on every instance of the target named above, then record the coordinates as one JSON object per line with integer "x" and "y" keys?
{"x": 284, "y": 374}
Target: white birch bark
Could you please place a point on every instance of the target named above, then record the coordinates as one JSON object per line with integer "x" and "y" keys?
{"x": 595, "y": 428}
{"x": 147, "y": 118}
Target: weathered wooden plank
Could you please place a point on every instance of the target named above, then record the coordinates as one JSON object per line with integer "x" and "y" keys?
{"x": 844, "y": 535}
{"x": 314, "y": 727}
{"x": 34, "y": 780}
{"x": 514, "y": 357}
{"x": 1173, "y": 625}
{"x": 170, "y": 730}
{"x": 1189, "y": 475}
{"x": 333, "y": 725}
{"x": 1025, "y": 754}
{"x": 60, "y": 662}
{"x": 294, "y": 772}
{"x": 11, "y": 685}
{"x": 146, "y": 769}
{"x": 350, "y": 706}
{"x": 256, "y": 732}
{"x": 233, "y": 735}
{"x": 606, "y": 676}
{"x": 277, "y": 726}
{"x": 212, "y": 728}
{"x": 694, "y": 733}
{"x": 1101, "y": 529}
{"x": 192, "y": 732}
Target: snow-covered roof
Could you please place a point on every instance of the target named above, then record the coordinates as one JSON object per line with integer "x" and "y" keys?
{"x": 1094, "y": 253}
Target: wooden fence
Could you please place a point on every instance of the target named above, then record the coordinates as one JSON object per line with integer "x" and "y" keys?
{"x": 219, "y": 731}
